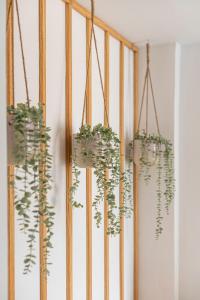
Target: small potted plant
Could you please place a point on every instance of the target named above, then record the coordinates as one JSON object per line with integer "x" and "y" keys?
{"x": 32, "y": 177}
{"x": 154, "y": 152}
{"x": 28, "y": 151}
{"x": 102, "y": 153}
{"x": 98, "y": 147}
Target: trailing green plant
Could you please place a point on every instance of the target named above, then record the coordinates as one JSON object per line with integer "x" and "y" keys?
{"x": 105, "y": 155}
{"x": 32, "y": 178}
{"x": 164, "y": 163}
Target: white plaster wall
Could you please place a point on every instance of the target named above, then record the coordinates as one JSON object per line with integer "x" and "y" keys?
{"x": 157, "y": 257}
{"x": 26, "y": 286}
{"x": 3, "y": 159}
{"x": 189, "y": 173}
{"x": 55, "y": 104}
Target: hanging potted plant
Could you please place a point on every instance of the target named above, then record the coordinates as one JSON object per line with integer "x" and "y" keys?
{"x": 98, "y": 147}
{"x": 154, "y": 151}
{"x": 28, "y": 144}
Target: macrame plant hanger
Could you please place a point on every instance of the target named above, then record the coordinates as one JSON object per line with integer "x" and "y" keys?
{"x": 147, "y": 83}
{"x": 21, "y": 47}
{"x": 93, "y": 34}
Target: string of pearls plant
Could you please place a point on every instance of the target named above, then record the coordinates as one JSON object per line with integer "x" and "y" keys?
{"x": 32, "y": 178}
{"x": 154, "y": 150}
{"x": 99, "y": 147}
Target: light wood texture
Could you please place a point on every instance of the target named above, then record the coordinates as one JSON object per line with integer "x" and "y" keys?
{"x": 121, "y": 189}
{"x": 42, "y": 98}
{"x": 86, "y": 13}
{"x": 136, "y": 175}
{"x": 106, "y": 236}
{"x": 10, "y": 101}
{"x": 88, "y": 174}
{"x": 69, "y": 249}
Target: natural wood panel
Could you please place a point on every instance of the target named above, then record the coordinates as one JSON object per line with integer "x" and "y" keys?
{"x": 88, "y": 171}
{"x": 10, "y": 101}
{"x": 42, "y": 99}
{"x": 69, "y": 249}
{"x": 86, "y": 13}
{"x": 135, "y": 188}
{"x": 121, "y": 108}
{"x": 106, "y": 236}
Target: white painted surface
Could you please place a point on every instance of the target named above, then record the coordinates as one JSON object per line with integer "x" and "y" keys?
{"x": 157, "y": 21}
{"x": 3, "y": 160}
{"x": 79, "y": 215}
{"x": 26, "y": 286}
{"x": 114, "y": 123}
{"x": 189, "y": 173}
{"x": 128, "y": 135}
{"x": 156, "y": 259}
{"x": 56, "y": 120}
{"x": 97, "y": 117}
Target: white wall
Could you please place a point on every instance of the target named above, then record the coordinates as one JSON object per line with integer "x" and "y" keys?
{"x": 157, "y": 257}
{"x": 3, "y": 157}
{"x": 189, "y": 173}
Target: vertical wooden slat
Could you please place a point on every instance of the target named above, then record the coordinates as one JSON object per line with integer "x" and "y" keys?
{"x": 42, "y": 99}
{"x": 88, "y": 175}
{"x": 68, "y": 116}
{"x": 106, "y": 237}
{"x": 135, "y": 175}
{"x": 121, "y": 168}
{"x": 10, "y": 101}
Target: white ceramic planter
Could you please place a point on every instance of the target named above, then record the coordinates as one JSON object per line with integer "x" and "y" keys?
{"x": 84, "y": 151}
{"x": 147, "y": 153}
{"x": 16, "y": 150}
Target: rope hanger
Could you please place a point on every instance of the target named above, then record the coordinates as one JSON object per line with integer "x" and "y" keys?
{"x": 93, "y": 34}
{"x": 147, "y": 82}
{"x": 21, "y": 47}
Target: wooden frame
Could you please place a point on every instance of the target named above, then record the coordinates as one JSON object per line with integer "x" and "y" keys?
{"x": 122, "y": 154}
{"x": 88, "y": 171}
{"x": 135, "y": 192}
{"x": 69, "y": 5}
{"x": 42, "y": 99}
{"x": 69, "y": 249}
{"x": 10, "y": 101}
{"x": 106, "y": 237}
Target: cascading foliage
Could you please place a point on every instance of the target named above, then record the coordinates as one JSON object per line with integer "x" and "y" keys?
{"x": 105, "y": 157}
{"x": 32, "y": 178}
{"x": 164, "y": 166}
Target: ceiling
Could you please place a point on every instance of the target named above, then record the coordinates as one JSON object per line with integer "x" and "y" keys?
{"x": 158, "y": 21}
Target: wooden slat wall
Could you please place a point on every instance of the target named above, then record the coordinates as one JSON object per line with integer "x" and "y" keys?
{"x": 69, "y": 246}
{"x": 42, "y": 99}
{"x": 69, "y": 221}
{"x": 121, "y": 107}
{"x": 88, "y": 174}
{"x": 135, "y": 192}
{"x": 10, "y": 101}
{"x": 106, "y": 237}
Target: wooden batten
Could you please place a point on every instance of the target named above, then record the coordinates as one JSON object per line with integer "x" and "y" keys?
{"x": 135, "y": 188}
{"x": 42, "y": 97}
{"x": 122, "y": 157}
{"x": 106, "y": 237}
{"x": 89, "y": 170}
{"x": 10, "y": 101}
{"x": 69, "y": 228}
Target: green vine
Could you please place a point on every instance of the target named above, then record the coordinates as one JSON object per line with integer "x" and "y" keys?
{"x": 106, "y": 156}
{"x": 164, "y": 161}
{"x": 32, "y": 178}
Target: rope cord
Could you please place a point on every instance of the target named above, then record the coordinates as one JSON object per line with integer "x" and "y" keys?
{"x": 21, "y": 46}
{"x": 147, "y": 82}
{"x": 93, "y": 34}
